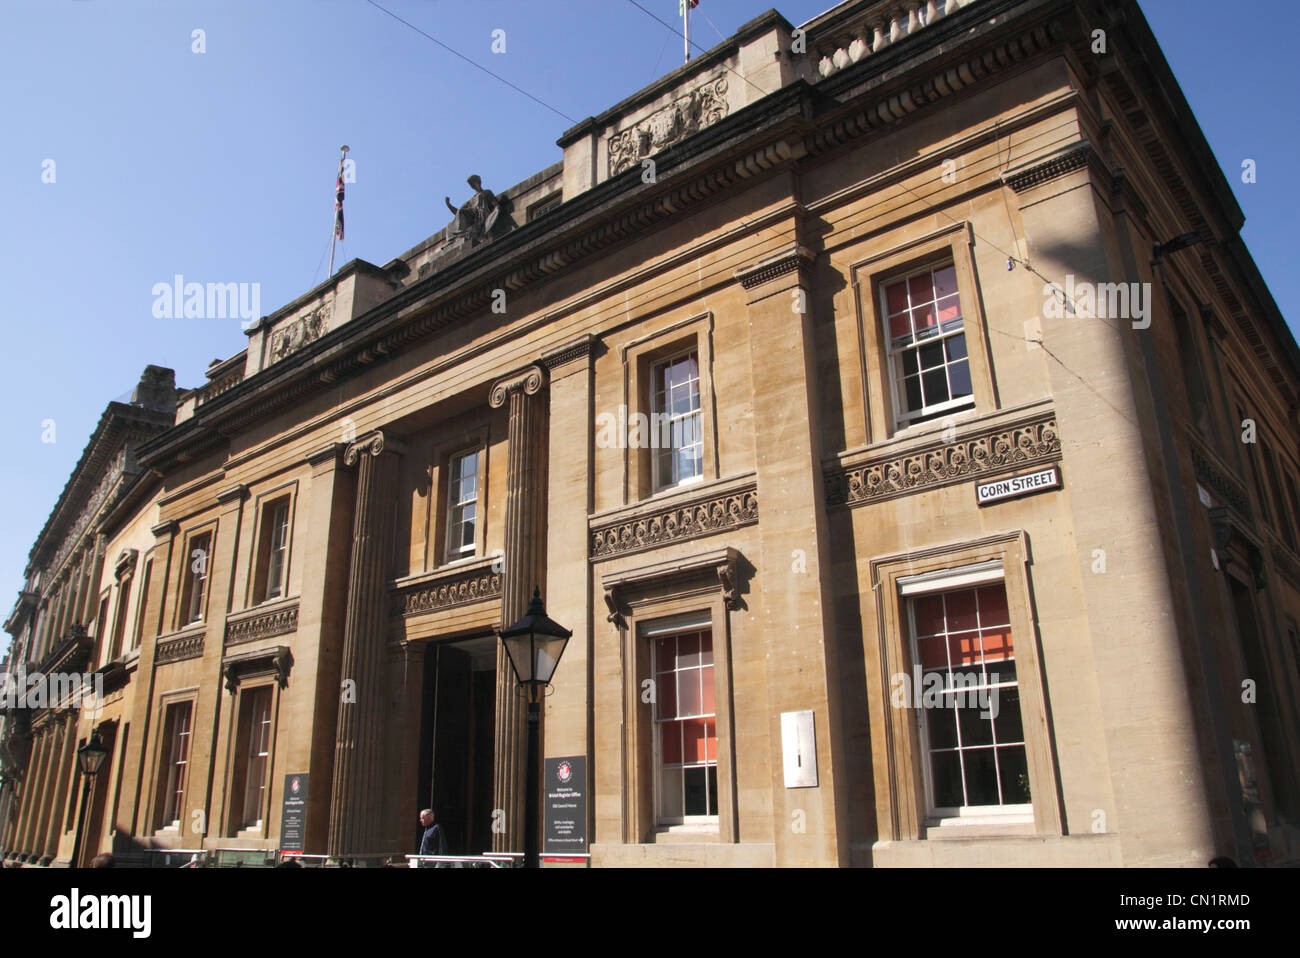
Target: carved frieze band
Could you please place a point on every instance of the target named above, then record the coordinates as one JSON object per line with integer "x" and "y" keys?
{"x": 474, "y": 585}
{"x": 689, "y": 113}
{"x": 293, "y": 336}
{"x": 978, "y": 456}
{"x": 179, "y": 649}
{"x": 676, "y": 524}
{"x": 262, "y": 626}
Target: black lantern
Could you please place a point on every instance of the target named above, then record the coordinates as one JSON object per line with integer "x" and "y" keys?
{"x": 534, "y": 645}
{"x": 90, "y": 757}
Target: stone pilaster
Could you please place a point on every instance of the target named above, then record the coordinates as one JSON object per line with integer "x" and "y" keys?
{"x": 356, "y": 824}
{"x": 525, "y": 562}
{"x": 39, "y": 773}
{"x": 801, "y": 672}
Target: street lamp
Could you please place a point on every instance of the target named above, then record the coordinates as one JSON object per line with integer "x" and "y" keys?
{"x": 91, "y": 759}
{"x": 534, "y": 645}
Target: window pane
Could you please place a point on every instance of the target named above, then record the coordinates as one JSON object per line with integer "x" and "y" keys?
{"x": 913, "y": 387}
{"x": 696, "y": 781}
{"x": 713, "y": 789}
{"x": 670, "y": 793}
{"x": 931, "y": 355}
{"x": 929, "y": 615}
{"x": 993, "y": 605}
{"x": 688, "y": 650}
{"x": 896, "y": 299}
{"x": 921, "y": 289}
{"x": 706, "y": 688}
{"x": 945, "y": 281}
{"x": 671, "y": 741}
{"x": 960, "y": 609}
{"x": 1007, "y": 726}
{"x": 956, "y": 346}
{"x": 945, "y": 768}
{"x": 694, "y": 748}
{"x": 910, "y": 367}
{"x": 936, "y": 386}
{"x": 706, "y": 648}
{"x": 981, "y": 776}
{"x": 974, "y": 730}
{"x": 688, "y": 692}
{"x": 959, "y": 379}
{"x": 1014, "y": 771}
{"x": 941, "y": 725}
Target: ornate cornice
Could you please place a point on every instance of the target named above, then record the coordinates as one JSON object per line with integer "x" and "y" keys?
{"x": 178, "y": 649}
{"x": 277, "y": 660}
{"x": 374, "y": 444}
{"x": 125, "y": 562}
{"x": 987, "y": 453}
{"x": 580, "y": 349}
{"x": 450, "y": 589}
{"x": 254, "y": 625}
{"x": 528, "y": 380}
{"x": 721, "y": 562}
{"x": 774, "y": 267}
{"x": 678, "y": 523}
{"x": 1075, "y": 156}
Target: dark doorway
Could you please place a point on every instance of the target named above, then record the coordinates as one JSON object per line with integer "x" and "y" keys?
{"x": 94, "y": 825}
{"x": 456, "y": 741}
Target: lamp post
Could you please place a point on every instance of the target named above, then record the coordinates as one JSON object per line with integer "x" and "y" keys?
{"x": 534, "y": 645}
{"x": 91, "y": 759}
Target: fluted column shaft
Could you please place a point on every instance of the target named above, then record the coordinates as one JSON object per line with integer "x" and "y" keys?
{"x": 356, "y": 827}
{"x": 524, "y": 568}
{"x": 54, "y": 831}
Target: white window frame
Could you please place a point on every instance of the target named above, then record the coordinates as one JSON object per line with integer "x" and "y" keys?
{"x": 952, "y": 580}
{"x": 652, "y": 632}
{"x": 659, "y": 408}
{"x": 903, "y": 417}
{"x": 259, "y": 748}
{"x": 177, "y": 758}
{"x": 198, "y": 585}
{"x": 455, "y": 527}
{"x": 276, "y": 561}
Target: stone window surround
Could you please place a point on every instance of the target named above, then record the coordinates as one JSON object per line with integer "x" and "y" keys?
{"x": 261, "y": 503}
{"x": 638, "y": 357}
{"x": 183, "y": 573}
{"x": 906, "y": 815}
{"x": 159, "y": 759}
{"x": 704, "y": 582}
{"x": 474, "y": 439}
{"x": 246, "y": 683}
{"x": 950, "y": 243}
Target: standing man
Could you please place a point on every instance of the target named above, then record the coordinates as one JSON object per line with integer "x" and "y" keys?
{"x": 434, "y": 841}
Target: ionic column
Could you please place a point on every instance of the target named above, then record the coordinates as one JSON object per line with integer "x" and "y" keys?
{"x": 53, "y": 763}
{"x": 524, "y": 567}
{"x": 356, "y": 805}
{"x": 39, "y": 772}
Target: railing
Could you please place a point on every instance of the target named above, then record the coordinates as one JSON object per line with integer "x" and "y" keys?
{"x": 162, "y": 857}
{"x": 876, "y": 28}
{"x": 486, "y": 860}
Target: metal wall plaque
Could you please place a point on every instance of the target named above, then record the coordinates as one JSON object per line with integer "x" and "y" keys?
{"x": 293, "y": 813}
{"x": 799, "y": 749}
{"x": 1015, "y": 486}
{"x": 564, "y": 788}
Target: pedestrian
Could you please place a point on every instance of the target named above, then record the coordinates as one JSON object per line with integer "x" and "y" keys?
{"x": 434, "y": 841}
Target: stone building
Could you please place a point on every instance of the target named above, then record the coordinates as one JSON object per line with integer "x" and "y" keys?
{"x": 888, "y": 404}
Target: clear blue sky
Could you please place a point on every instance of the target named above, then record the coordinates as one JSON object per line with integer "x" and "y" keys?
{"x": 220, "y": 166}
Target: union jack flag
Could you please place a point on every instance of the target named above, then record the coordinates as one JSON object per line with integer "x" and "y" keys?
{"x": 338, "y": 205}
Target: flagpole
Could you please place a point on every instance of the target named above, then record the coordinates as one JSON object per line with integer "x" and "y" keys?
{"x": 686, "y": 33}
{"x": 334, "y": 227}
